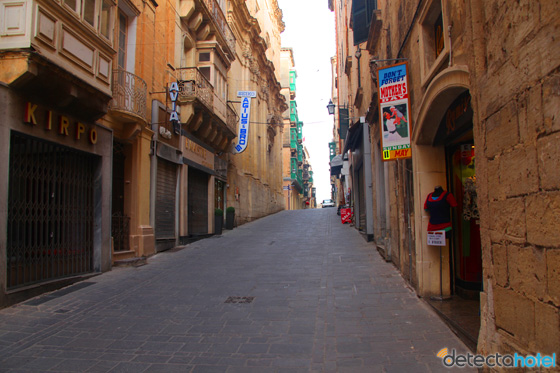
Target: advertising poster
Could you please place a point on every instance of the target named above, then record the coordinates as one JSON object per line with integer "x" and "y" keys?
{"x": 394, "y": 112}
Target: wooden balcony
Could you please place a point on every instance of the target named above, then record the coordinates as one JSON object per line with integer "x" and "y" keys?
{"x": 130, "y": 95}
{"x": 205, "y": 114}
{"x": 205, "y": 18}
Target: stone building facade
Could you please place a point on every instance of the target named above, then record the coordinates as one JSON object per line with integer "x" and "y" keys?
{"x": 484, "y": 106}
{"x": 255, "y": 176}
{"x": 297, "y": 173}
{"x": 127, "y": 110}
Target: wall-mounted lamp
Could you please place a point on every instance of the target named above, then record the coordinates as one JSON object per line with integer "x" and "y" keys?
{"x": 330, "y": 107}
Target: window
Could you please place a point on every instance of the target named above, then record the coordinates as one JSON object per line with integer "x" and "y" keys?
{"x": 205, "y": 70}
{"x": 89, "y": 12}
{"x": 362, "y": 11}
{"x": 121, "y": 48}
{"x": 434, "y": 40}
{"x": 73, "y": 4}
{"x": 438, "y": 35}
{"x": 96, "y": 13}
{"x": 125, "y": 35}
{"x": 204, "y": 57}
{"x": 105, "y": 19}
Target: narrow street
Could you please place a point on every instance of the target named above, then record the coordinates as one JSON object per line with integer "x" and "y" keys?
{"x": 308, "y": 295}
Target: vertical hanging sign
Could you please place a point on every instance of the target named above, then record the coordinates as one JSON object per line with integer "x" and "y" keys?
{"x": 243, "y": 130}
{"x": 394, "y": 112}
{"x": 174, "y": 117}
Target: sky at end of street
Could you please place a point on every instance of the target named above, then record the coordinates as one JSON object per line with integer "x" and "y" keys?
{"x": 310, "y": 32}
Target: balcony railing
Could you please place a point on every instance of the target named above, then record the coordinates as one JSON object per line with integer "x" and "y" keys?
{"x": 221, "y": 22}
{"x": 231, "y": 119}
{"x": 130, "y": 94}
{"x": 193, "y": 85}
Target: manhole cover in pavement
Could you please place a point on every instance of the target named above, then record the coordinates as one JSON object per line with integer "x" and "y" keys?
{"x": 239, "y": 300}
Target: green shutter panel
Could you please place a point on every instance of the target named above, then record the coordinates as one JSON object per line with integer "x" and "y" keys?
{"x": 361, "y": 19}
{"x": 293, "y": 138}
{"x": 344, "y": 122}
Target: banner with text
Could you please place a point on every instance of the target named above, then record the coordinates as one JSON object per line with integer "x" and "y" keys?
{"x": 243, "y": 131}
{"x": 394, "y": 113}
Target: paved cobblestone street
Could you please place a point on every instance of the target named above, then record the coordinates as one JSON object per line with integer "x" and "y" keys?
{"x": 312, "y": 296}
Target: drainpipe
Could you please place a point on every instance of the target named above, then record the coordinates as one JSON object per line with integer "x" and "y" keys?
{"x": 153, "y": 164}
{"x": 368, "y": 181}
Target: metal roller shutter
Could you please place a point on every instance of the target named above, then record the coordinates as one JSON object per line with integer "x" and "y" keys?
{"x": 166, "y": 186}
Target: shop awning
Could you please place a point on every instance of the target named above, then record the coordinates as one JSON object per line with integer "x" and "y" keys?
{"x": 336, "y": 165}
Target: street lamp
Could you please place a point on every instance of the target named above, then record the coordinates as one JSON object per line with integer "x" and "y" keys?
{"x": 330, "y": 107}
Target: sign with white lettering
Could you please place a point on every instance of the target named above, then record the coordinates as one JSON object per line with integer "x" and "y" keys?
{"x": 394, "y": 113}
{"x": 245, "y": 109}
{"x": 174, "y": 117}
{"x": 436, "y": 238}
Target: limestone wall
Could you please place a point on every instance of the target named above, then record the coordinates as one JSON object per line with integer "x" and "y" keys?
{"x": 519, "y": 123}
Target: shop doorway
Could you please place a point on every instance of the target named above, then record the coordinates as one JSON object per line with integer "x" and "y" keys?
{"x": 466, "y": 246}
{"x": 455, "y": 135}
{"x": 198, "y": 202}
{"x": 50, "y": 233}
{"x": 120, "y": 221}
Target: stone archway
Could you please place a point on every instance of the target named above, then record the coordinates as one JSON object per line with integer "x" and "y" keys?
{"x": 429, "y": 166}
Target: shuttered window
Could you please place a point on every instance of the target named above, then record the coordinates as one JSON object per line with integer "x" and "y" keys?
{"x": 361, "y": 18}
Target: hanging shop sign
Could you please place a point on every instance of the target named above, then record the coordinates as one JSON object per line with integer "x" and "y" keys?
{"x": 245, "y": 110}
{"x": 62, "y": 124}
{"x": 394, "y": 112}
{"x": 174, "y": 116}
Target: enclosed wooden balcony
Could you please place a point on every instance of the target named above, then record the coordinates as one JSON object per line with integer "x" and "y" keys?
{"x": 205, "y": 114}
{"x": 206, "y": 18}
{"x": 130, "y": 94}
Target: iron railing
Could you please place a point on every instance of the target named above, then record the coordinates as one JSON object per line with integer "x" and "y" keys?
{"x": 221, "y": 23}
{"x": 50, "y": 229}
{"x": 194, "y": 85}
{"x": 130, "y": 94}
{"x": 231, "y": 120}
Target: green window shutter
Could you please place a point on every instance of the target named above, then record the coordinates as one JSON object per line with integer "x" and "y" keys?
{"x": 300, "y": 130}
{"x": 293, "y": 168}
{"x": 344, "y": 122}
{"x": 293, "y": 138}
{"x": 292, "y": 81}
{"x": 332, "y": 150}
{"x": 293, "y": 111}
{"x": 361, "y": 18}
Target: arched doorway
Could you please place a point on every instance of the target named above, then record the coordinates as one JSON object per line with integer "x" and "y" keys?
{"x": 455, "y": 133}
{"x": 443, "y": 155}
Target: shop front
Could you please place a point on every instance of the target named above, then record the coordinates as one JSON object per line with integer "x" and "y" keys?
{"x": 199, "y": 177}
{"x": 56, "y": 224}
{"x": 456, "y": 134}
{"x": 450, "y": 271}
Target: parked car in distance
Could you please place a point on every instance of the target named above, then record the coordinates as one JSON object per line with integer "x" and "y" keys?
{"x": 327, "y": 203}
